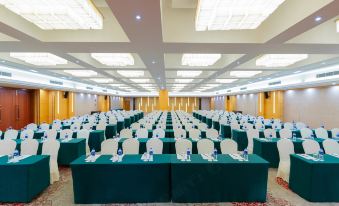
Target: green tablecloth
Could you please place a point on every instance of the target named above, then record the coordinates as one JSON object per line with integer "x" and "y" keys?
{"x": 68, "y": 152}
{"x": 169, "y": 133}
{"x": 96, "y": 137}
{"x": 23, "y": 181}
{"x": 315, "y": 181}
{"x": 216, "y": 125}
{"x": 127, "y": 122}
{"x": 227, "y": 180}
{"x": 129, "y": 181}
{"x": 110, "y": 132}
{"x": 120, "y": 126}
{"x": 269, "y": 150}
{"x": 209, "y": 122}
{"x": 225, "y": 131}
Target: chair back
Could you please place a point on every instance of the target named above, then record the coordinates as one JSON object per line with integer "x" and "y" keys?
{"x": 109, "y": 147}
{"x": 7, "y": 146}
{"x": 205, "y": 146}
{"x": 29, "y": 147}
{"x": 181, "y": 146}
{"x": 311, "y": 146}
{"x": 156, "y": 144}
{"x": 130, "y": 146}
{"x": 228, "y": 146}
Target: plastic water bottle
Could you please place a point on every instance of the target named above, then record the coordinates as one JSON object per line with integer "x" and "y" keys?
{"x": 66, "y": 136}
{"x": 270, "y": 137}
{"x": 215, "y": 154}
{"x": 294, "y": 137}
{"x": 119, "y": 155}
{"x": 321, "y": 155}
{"x": 151, "y": 154}
{"x": 15, "y": 154}
{"x": 338, "y": 135}
{"x": 156, "y": 135}
{"x": 26, "y": 136}
{"x": 93, "y": 153}
{"x": 245, "y": 154}
{"x": 188, "y": 154}
{"x": 322, "y": 126}
{"x": 220, "y": 137}
{"x": 312, "y": 136}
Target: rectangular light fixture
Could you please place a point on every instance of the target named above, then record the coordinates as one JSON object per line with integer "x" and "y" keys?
{"x": 280, "y": 60}
{"x": 114, "y": 59}
{"x": 81, "y": 73}
{"x": 131, "y": 73}
{"x": 57, "y": 14}
{"x": 116, "y": 85}
{"x": 244, "y": 74}
{"x": 202, "y": 60}
{"x": 140, "y": 80}
{"x": 183, "y": 80}
{"x": 102, "y": 80}
{"x": 225, "y": 81}
{"x": 233, "y": 14}
{"x": 188, "y": 73}
{"x": 38, "y": 59}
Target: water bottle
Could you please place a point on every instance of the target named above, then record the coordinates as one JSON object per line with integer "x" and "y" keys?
{"x": 338, "y": 135}
{"x": 220, "y": 137}
{"x": 215, "y": 154}
{"x": 156, "y": 135}
{"x": 322, "y": 126}
{"x": 270, "y": 137}
{"x": 312, "y": 136}
{"x": 321, "y": 155}
{"x": 93, "y": 153}
{"x": 66, "y": 136}
{"x": 188, "y": 154}
{"x": 119, "y": 155}
{"x": 26, "y": 136}
{"x": 245, "y": 154}
{"x": 294, "y": 137}
{"x": 16, "y": 154}
{"x": 151, "y": 155}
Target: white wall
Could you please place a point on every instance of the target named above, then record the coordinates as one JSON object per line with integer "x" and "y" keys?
{"x": 219, "y": 103}
{"x": 85, "y": 103}
{"x": 115, "y": 103}
{"x": 205, "y": 104}
{"x": 248, "y": 104}
{"x": 313, "y": 106}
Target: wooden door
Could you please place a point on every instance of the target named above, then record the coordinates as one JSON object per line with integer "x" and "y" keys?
{"x": 127, "y": 105}
{"x": 7, "y": 106}
{"x": 23, "y": 108}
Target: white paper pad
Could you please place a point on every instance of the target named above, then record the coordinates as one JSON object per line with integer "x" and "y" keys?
{"x": 92, "y": 159}
{"x": 18, "y": 159}
{"x": 236, "y": 157}
{"x": 335, "y": 155}
{"x": 308, "y": 157}
{"x": 66, "y": 140}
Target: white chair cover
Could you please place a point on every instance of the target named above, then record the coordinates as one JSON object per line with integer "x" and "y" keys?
{"x": 285, "y": 133}
{"x": 135, "y": 126}
{"x": 300, "y": 125}
{"x": 51, "y": 134}
{"x": 87, "y": 126}
{"x": 126, "y": 133}
{"x": 27, "y": 133}
{"x": 156, "y": 144}
{"x": 84, "y": 133}
{"x": 228, "y": 146}
{"x": 66, "y": 133}
{"x": 306, "y": 132}
{"x": 75, "y": 126}
{"x": 11, "y": 134}
{"x": 335, "y": 132}
{"x": 179, "y": 133}
{"x": 331, "y": 146}
{"x": 251, "y": 133}
{"x": 130, "y": 146}
{"x": 29, "y": 147}
{"x": 212, "y": 134}
{"x": 321, "y": 133}
{"x": 7, "y": 146}
{"x": 194, "y": 134}
{"x": 51, "y": 148}
{"x": 141, "y": 133}
{"x": 158, "y": 133}
{"x": 268, "y": 132}
{"x": 205, "y": 146}
{"x": 181, "y": 146}
{"x": 109, "y": 147}
{"x": 276, "y": 125}
{"x": 288, "y": 125}
{"x": 32, "y": 126}
{"x": 311, "y": 146}
{"x": 285, "y": 148}
{"x": 101, "y": 126}
{"x": 44, "y": 126}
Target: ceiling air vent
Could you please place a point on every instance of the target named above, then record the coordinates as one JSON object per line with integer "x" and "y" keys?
{"x": 243, "y": 88}
{"x": 5, "y": 74}
{"x": 274, "y": 83}
{"x": 56, "y": 82}
{"x": 328, "y": 74}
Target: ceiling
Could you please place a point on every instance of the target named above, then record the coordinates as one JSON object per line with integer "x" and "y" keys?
{"x": 165, "y": 31}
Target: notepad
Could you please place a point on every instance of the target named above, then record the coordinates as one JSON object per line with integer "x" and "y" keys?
{"x": 66, "y": 140}
{"x": 92, "y": 158}
{"x": 335, "y": 155}
{"x": 236, "y": 157}
{"x": 19, "y": 158}
{"x": 308, "y": 157}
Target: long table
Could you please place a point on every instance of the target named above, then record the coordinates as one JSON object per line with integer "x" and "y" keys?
{"x": 167, "y": 178}
{"x": 315, "y": 181}
{"x": 24, "y": 180}
{"x": 170, "y": 133}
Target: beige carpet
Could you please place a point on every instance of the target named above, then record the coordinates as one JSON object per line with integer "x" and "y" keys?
{"x": 61, "y": 194}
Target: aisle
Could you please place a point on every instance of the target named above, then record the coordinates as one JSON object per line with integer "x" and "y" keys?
{"x": 61, "y": 193}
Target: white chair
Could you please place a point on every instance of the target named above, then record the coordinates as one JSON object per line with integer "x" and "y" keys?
{"x": 270, "y": 133}
{"x": 251, "y": 133}
{"x": 101, "y": 126}
{"x": 56, "y": 126}
{"x": 84, "y": 133}
{"x": 126, "y": 133}
{"x": 135, "y": 126}
{"x": 205, "y": 146}
{"x": 11, "y": 134}
{"x": 306, "y": 132}
{"x": 51, "y": 134}
{"x": 194, "y": 134}
{"x": 212, "y": 134}
{"x": 156, "y": 144}
{"x": 51, "y": 148}
{"x": 27, "y": 134}
{"x": 7, "y": 147}
{"x": 285, "y": 148}
{"x": 158, "y": 133}
{"x": 321, "y": 133}
{"x": 202, "y": 126}
{"x": 181, "y": 146}
{"x": 44, "y": 126}
{"x": 247, "y": 126}
{"x": 179, "y": 133}
{"x": 285, "y": 133}
{"x": 130, "y": 146}
{"x": 0, "y": 134}
{"x": 276, "y": 125}
{"x": 335, "y": 133}
{"x": 331, "y": 146}
{"x": 288, "y": 125}
{"x": 66, "y": 134}
{"x": 300, "y": 125}
{"x": 32, "y": 126}
{"x": 109, "y": 147}
{"x": 311, "y": 146}
{"x": 259, "y": 125}
{"x": 235, "y": 125}
{"x": 228, "y": 146}
{"x": 75, "y": 126}
{"x": 29, "y": 147}
{"x": 87, "y": 126}
{"x": 141, "y": 133}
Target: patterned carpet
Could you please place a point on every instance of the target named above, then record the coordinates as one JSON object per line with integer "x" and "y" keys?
{"x": 61, "y": 194}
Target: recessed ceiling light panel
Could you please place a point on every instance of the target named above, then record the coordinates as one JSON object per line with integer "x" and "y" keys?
{"x": 140, "y": 80}
{"x": 225, "y": 81}
{"x": 38, "y": 59}
{"x": 202, "y": 60}
{"x": 81, "y": 73}
{"x": 102, "y": 80}
{"x": 130, "y": 73}
{"x": 244, "y": 74}
{"x": 183, "y": 80}
{"x": 280, "y": 60}
{"x": 114, "y": 59}
{"x": 188, "y": 73}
